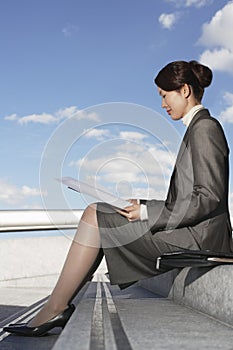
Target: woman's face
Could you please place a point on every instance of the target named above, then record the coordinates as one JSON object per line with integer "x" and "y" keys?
{"x": 175, "y": 102}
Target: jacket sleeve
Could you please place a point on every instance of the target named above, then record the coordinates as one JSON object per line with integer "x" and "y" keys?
{"x": 207, "y": 175}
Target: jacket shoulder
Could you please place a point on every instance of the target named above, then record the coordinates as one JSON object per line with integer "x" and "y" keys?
{"x": 204, "y": 114}
{"x": 204, "y": 125}
{"x": 203, "y": 118}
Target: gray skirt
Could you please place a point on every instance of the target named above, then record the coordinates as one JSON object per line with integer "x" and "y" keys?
{"x": 129, "y": 247}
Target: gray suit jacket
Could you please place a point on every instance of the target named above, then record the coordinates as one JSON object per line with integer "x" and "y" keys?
{"x": 197, "y": 199}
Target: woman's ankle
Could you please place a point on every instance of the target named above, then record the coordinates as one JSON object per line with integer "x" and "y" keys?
{"x": 48, "y": 312}
{"x": 54, "y": 308}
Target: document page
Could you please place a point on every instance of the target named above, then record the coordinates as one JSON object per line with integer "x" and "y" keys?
{"x": 98, "y": 193}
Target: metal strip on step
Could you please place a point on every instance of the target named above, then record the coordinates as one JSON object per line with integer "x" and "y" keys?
{"x": 97, "y": 325}
{"x": 24, "y": 315}
{"x": 121, "y": 339}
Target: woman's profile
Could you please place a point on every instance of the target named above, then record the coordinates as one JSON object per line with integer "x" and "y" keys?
{"x": 194, "y": 215}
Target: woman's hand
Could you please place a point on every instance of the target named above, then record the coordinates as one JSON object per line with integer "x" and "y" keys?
{"x": 132, "y": 212}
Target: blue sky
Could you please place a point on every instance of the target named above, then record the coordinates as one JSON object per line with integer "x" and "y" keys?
{"x": 78, "y": 98}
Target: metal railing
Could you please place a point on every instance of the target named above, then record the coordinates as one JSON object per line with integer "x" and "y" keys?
{"x": 38, "y": 219}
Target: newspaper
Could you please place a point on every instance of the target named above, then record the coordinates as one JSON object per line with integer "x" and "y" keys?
{"x": 96, "y": 192}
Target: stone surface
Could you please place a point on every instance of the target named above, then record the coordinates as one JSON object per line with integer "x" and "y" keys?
{"x": 149, "y": 321}
{"x": 32, "y": 257}
{"x": 204, "y": 289}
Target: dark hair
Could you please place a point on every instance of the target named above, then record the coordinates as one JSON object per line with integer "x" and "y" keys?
{"x": 175, "y": 74}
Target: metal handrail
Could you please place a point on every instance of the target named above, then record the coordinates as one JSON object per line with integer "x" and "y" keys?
{"x": 39, "y": 219}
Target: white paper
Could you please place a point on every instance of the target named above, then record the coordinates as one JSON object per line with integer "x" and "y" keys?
{"x": 98, "y": 193}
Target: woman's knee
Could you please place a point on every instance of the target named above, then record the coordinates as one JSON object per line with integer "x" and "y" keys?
{"x": 88, "y": 233}
{"x": 89, "y": 215}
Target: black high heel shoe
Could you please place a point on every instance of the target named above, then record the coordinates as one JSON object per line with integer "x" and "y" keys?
{"x": 58, "y": 321}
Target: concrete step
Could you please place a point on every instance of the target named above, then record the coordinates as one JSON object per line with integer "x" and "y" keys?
{"x": 137, "y": 318}
{"x": 20, "y": 314}
{"x": 107, "y": 318}
{"x": 208, "y": 290}
{"x": 13, "y": 313}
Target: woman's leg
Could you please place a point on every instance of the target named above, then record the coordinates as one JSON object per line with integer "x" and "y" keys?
{"x": 80, "y": 259}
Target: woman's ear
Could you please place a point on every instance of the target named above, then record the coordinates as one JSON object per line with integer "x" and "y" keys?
{"x": 186, "y": 90}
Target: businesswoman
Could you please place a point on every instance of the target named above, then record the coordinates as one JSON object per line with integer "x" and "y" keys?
{"x": 194, "y": 215}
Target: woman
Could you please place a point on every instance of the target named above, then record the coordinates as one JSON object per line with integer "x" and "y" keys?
{"x": 194, "y": 215}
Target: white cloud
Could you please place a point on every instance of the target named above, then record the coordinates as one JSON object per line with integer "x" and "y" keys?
{"x": 11, "y": 117}
{"x": 167, "y": 20}
{"x": 12, "y": 195}
{"x": 218, "y": 59}
{"x": 141, "y": 167}
{"x": 98, "y": 134}
{"x": 43, "y": 118}
{"x": 197, "y": 3}
{"x": 74, "y": 112}
{"x": 165, "y": 157}
{"x": 217, "y": 37}
{"x": 132, "y": 136}
{"x": 227, "y": 114}
{"x": 101, "y": 134}
{"x": 216, "y": 32}
{"x": 46, "y": 118}
{"x": 69, "y": 30}
{"x": 189, "y": 3}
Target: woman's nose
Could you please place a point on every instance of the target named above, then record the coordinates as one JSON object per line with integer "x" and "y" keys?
{"x": 163, "y": 103}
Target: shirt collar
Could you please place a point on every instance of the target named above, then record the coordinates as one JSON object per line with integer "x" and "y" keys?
{"x": 187, "y": 118}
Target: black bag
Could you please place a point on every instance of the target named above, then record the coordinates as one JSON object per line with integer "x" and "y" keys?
{"x": 193, "y": 258}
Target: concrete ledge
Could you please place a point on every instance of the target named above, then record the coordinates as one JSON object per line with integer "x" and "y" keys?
{"x": 23, "y": 258}
{"x": 45, "y": 281}
{"x": 209, "y": 290}
{"x": 137, "y": 319}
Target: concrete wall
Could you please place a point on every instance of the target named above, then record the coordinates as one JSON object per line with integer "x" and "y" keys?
{"x": 35, "y": 261}
{"x": 35, "y": 258}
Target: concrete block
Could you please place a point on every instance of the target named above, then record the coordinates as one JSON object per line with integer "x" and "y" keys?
{"x": 32, "y": 257}
{"x": 208, "y": 290}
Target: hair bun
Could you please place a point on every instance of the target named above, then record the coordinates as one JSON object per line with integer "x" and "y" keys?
{"x": 202, "y": 73}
